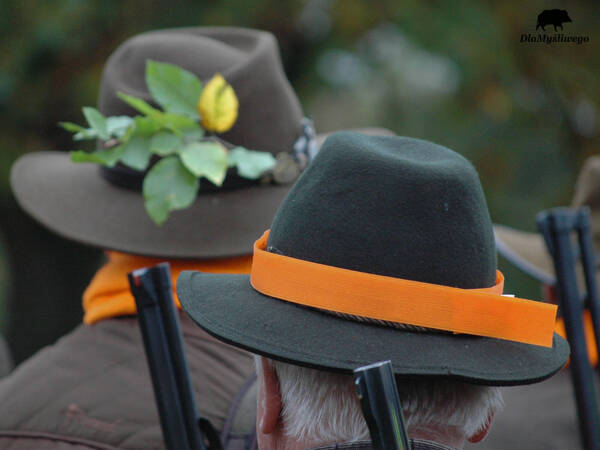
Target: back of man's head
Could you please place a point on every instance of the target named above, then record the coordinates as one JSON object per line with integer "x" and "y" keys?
{"x": 320, "y": 407}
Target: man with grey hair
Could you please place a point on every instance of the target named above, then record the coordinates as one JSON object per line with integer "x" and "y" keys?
{"x": 300, "y": 407}
{"x": 383, "y": 250}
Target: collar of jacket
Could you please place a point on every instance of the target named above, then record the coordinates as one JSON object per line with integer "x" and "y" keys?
{"x": 415, "y": 444}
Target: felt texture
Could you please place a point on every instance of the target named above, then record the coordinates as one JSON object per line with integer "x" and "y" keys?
{"x": 227, "y": 307}
{"x": 390, "y": 206}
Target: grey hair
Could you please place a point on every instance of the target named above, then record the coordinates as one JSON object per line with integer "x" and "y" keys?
{"x": 323, "y": 406}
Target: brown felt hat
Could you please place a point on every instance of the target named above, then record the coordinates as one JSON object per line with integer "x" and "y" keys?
{"x": 104, "y": 207}
{"x": 528, "y": 251}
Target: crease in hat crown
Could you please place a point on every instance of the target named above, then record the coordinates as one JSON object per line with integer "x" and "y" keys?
{"x": 248, "y": 59}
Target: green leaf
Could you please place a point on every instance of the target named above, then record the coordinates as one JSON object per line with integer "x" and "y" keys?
{"x": 106, "y": 157}
{"x": 117, "y": 125}
{"x": 146, "y": 126}
{"x": 193, "y": 134}
{"x": 175, "y": 122}
{"x": 173, "y": 88}
{"x": 172, "y": 121}
{"x": 81, "y": 133}
{"x": 136, "y": 152}
{"x": 84, "y": 134}
{"x": 168, "y": 186}
{"x": 138, "y": 104}
{"x": 206, "y": 159}
{"x": 72, "y": 127}
{"x": 97, "y": 121}
{"x": 165, "y": 143}
{"x": 251, "y": 164}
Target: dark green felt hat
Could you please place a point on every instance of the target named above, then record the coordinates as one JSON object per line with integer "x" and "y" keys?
{"x": 391, "y": 206}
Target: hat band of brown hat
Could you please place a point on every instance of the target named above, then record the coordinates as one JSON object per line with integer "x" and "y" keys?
{"x": 286, "y": 170}
{"x": 481, "y": 312}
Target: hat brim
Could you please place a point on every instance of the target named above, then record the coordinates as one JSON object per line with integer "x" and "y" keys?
{"x": 527, "y": 251}
{"x": 76, "y": 202}
{"x": 227, "y": 307}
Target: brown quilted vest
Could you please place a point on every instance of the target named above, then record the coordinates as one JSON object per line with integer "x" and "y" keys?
{"x": 92, "y": 390}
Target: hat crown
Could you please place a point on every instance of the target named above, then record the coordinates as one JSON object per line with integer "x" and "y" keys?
{"x": 393, "y": 206}
{"x": 269, "y": 117}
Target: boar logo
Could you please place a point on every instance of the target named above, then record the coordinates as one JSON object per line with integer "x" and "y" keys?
{"x": 554, "y": 17}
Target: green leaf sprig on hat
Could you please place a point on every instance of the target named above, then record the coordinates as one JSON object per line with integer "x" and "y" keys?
{"x": 176, "y": 134}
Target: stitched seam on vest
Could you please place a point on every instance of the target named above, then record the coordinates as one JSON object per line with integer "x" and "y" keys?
{"x": 55, "y": 437}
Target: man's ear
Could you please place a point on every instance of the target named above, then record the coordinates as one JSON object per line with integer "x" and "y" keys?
{"x": 271, "y": 406}
{"x": 482, "y": 433}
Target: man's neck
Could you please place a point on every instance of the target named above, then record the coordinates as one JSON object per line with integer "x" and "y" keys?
{"x": 278, "y": 440}
{"x": 420, "y": 440}
{"x": 449, "y": 437}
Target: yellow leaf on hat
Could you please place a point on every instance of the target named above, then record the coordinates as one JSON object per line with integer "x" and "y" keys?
{"x": 218, "y": 105}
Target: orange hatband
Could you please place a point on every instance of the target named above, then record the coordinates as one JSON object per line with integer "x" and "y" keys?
{"x": 481, "y": 312}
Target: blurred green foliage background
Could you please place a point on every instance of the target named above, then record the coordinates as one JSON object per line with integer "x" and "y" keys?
{"x": 455, "y": 73}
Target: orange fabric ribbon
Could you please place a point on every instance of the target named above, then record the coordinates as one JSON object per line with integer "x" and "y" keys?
{"x": 481, "y": 312}
{"x": 108, "y": 294}
{"x": 588, "y": 331}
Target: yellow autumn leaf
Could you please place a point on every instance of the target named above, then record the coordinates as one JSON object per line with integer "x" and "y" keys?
{"x": 218, "y": 105}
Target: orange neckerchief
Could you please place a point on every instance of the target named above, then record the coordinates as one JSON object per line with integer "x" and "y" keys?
{"x": 588, "y": 331}
{"x": 108, "y": 294}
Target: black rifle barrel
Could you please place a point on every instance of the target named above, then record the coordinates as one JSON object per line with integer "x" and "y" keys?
{"x": 151, "y": 288}
{"x": 556, "y": 226}
{"x": 380, "y": 404}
